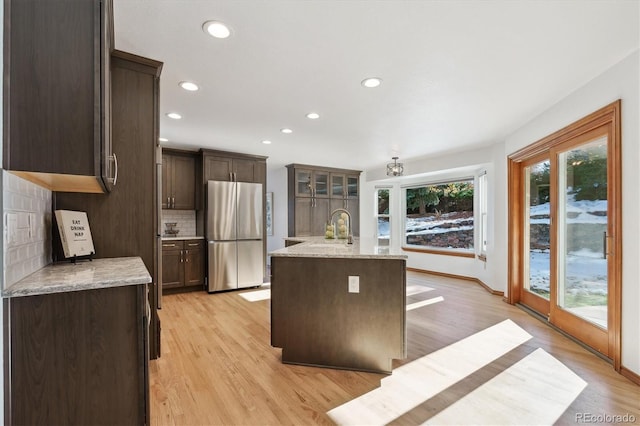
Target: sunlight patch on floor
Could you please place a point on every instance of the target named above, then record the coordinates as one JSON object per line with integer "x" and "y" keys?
{"x": 534, "y": 391}
{"x": 417, "y": 305}
{"x": 413, "y": 383}
{"x": 256, "y": 296}
{"x": 417, "y": 289}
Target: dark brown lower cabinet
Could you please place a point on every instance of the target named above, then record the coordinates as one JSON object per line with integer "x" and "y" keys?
{"x": 77, "y": 358}
{"x": 183, "y": 263}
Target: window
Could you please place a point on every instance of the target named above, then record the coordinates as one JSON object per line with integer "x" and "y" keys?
{"x": 440, "y": 216}
{"x": 482, "y": 215}
{"x": 383, "y": 218}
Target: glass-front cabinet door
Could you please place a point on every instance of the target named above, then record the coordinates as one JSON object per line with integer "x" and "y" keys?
{"x": 303, "y": 183}
{"x": 352, "y": 186}
{"x": 320, "y": 184}
{"x": 337, "y": 186}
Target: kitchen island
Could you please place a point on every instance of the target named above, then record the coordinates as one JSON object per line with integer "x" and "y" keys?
{"x": 339, "y": 305}
{"x": 76, "y": 344}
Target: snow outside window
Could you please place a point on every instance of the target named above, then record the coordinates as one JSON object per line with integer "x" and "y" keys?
{"x": 382, "y": 216}
{"x": 440, "y": 216}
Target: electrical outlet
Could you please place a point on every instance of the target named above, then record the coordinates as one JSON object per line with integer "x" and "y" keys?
{"x": 354, "y": 284}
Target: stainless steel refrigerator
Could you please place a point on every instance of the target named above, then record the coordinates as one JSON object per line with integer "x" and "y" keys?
{"x": 234, "y": 234}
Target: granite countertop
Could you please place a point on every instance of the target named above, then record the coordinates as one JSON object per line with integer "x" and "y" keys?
{"x": 362, "y": 248}
{"x": 84, "y": 275}
{"x": 182, "y": 237}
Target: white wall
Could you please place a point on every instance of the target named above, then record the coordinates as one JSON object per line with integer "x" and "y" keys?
{"x": 433, "y": 169}
{"x": 277, "y": 183}
{"x": 622, "y": 81}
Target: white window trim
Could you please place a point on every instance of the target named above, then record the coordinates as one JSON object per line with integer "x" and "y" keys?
{"x": 483, "y": 214}
{"x": 443, "y": 250}
{"x": 376, "y": 215}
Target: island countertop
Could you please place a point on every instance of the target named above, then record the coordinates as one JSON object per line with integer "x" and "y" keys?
{"x": 84, "y": 275}
{"x": 362, "y": 248}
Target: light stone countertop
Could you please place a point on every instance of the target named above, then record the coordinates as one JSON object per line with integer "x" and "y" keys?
{"x": 84, "y": 275}
{"x": 362, "y": 248}
{"x": 182, "y": 237}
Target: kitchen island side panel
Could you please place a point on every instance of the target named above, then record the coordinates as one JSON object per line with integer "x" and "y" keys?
{"x": 317, "y": 321}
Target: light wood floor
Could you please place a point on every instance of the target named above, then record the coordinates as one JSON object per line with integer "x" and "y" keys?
{"x": 218, "y": 368}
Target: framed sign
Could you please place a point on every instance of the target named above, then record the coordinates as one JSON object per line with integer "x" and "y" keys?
{"x": 269, "y": 213}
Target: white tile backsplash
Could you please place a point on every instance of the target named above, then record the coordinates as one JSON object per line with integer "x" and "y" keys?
{"x": 185, "y": 219}
{"x": 27, "y": 227}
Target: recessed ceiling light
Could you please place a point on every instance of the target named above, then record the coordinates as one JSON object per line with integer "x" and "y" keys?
{"x": 313, "y": 115}
{"x": 163, "y": 139}
{"x": 266, "y": 142}
{"x": 286, "y": 130}
{"x": 216, "y": 29}
{"x": 174, "y": 115}
{"x": 371, "y": 82}
{"x": 188, "y": 85}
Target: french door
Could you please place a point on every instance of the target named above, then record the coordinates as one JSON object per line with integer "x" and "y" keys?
{"x": 565, "y": 230}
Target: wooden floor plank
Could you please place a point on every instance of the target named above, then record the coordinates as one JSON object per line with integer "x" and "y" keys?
{"x": 218, "y": 368}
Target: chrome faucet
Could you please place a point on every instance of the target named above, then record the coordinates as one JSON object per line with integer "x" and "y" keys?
{"x": 350, "y": 234}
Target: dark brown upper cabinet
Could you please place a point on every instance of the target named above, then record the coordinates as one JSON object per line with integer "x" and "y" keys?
{"x": 57, "y": 93}
{"x": 178, "y": 180}
{"x": 233, "y": 167}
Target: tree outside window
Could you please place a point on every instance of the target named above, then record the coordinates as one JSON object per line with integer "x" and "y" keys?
{"x": 440, "y": 216}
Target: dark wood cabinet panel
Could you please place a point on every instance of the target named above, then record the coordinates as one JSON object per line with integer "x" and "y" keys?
{"x": 178, "y": 180}
{"x": 314, "y": 192}
{"x": 78, "y": 357}
{"x": 57, "y": 93}
{"x": 172, "y": 265}
{"x": 194, "y": 257}
{"x": 231, "y": 166}
{"x": 218, "y": 168}
{"x": 124, "y": 222}
{"x": 183, "y": 263}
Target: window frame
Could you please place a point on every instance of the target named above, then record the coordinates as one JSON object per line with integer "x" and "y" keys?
{"x": 482, "y": 214}
{"x": 378, "y": 215}
{"x": 459, "y": 252}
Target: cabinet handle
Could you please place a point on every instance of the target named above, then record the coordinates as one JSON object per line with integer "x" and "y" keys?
{"x": 168, "y": 245}
{"x": 114, "y": 179}
{"x": 186, "y": 259}
{"x": 173, "y": 202}
{"x": 168, "y": 202}
{"x": 193, "y": 244}
{"x": 181, "y": 256}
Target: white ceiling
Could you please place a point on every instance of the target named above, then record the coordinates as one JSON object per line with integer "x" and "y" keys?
{"x": 455, "y": 73}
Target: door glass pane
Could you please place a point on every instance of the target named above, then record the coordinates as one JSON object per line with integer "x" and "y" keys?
{"x": 537, "y": 263}
{"x": 322, "y": 183}
{"x": 582, "y": 227}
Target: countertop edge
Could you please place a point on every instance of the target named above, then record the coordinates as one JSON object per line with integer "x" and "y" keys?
{"x": 304, "y": 249}
{"x": 186, "y": 237}
{"x": 68, "y": 277}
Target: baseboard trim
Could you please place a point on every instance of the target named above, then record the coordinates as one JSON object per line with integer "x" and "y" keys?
{"x": 460, "y": 277}
{"x": 635, "y": 378}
